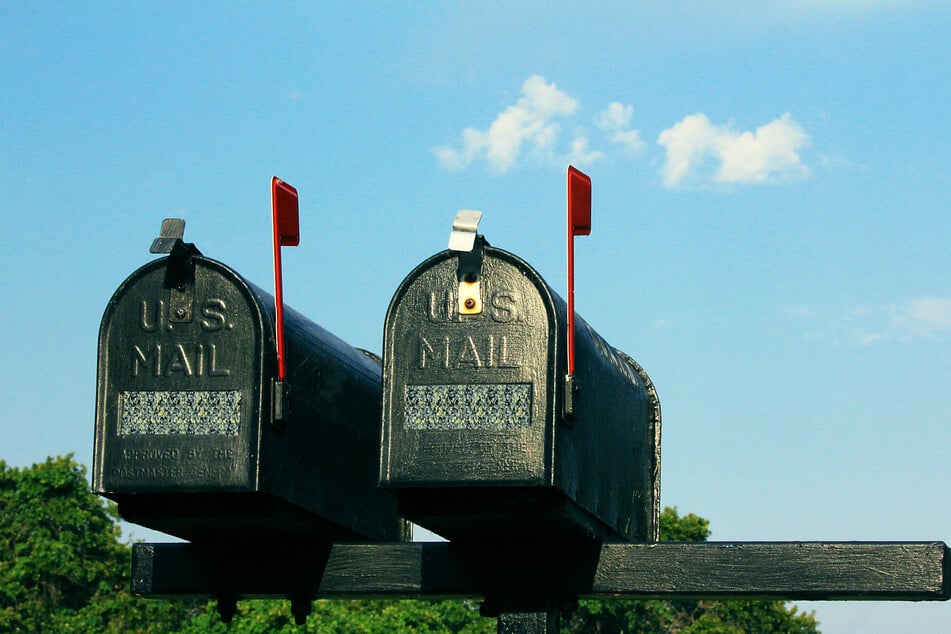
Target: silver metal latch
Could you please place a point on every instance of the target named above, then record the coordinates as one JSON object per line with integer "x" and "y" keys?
{"x": 179, "y": 270}
{"x": 463, "y": 239}
{"x": 172, "y": 232}
{"x": 464, "y": 229}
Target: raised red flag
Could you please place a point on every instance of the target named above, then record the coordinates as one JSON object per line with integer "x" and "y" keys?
{"x": 286, "y": 226}
{"x": 579, "y": 202}
{"x": 579, "y": 224}
{"x": 286, "y": 213}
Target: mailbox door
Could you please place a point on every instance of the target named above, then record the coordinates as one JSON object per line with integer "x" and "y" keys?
{"x": 469, "y": 399}
{"x": 179, "y": 383}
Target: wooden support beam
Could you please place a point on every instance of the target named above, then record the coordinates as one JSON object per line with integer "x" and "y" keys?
{"x": 529, "y": 577}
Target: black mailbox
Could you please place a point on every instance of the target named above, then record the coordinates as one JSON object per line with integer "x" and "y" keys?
{"x": 481, "y": 436}
{"x": 197, "y": 438}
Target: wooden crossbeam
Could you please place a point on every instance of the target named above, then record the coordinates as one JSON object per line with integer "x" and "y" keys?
{"x": 525, "y": 577}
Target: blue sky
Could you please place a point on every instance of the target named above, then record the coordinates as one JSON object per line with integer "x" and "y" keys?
{"x": 770, "y": 217}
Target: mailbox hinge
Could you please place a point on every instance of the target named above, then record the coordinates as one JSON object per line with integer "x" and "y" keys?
{"x": 469, "y": 274}
{"x": 179, "y": 271}
{"x": 181, "y": 302}
{"x": 468, "y": 244}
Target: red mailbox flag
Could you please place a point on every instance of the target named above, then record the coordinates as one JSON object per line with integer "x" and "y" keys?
{"x": 579, "y": 202}
{"x": 579, "y": 224}
{"x": 286, "y": 225}
{"x": 286, "y": 213}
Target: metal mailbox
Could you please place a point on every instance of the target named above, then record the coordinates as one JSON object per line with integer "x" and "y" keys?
{"x": 197, "y": 438}
{"x": 482, "y": 434}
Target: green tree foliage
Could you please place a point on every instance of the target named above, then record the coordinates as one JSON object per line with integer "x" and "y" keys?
{"x": 689, "y": 617}
{"x": 63, "y": 569}
{"x": 345, "y": 617}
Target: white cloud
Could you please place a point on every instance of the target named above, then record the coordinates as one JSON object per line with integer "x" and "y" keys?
{"x": 615, "y": 120}
{"x": 545, "y": 99}
{"x": 580, "y": 154}
{"x": 688, "y": 143}
{"x": 930, "y": 314}
{"x": 529, "y": 123}
{"x": 917, "y": 319}
{"x": 699, "y": 151}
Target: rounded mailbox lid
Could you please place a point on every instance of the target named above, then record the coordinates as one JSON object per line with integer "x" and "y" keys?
{"x": 181, "y": 358}
{"x": 468, "y": 388}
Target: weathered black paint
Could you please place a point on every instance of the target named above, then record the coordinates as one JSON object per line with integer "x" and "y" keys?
{"x": 534, "y": 576}
{"x": 187, "y": 327}
{"x": 469, "y": 469}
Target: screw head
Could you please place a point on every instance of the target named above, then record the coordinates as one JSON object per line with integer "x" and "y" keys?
{"x": 470, "y": 303}
{"x": 180, "y": 313}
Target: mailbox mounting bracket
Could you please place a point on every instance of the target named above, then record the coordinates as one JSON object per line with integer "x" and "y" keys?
{"x": 572, "y": 387}
{"x": 279, "y": 407}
